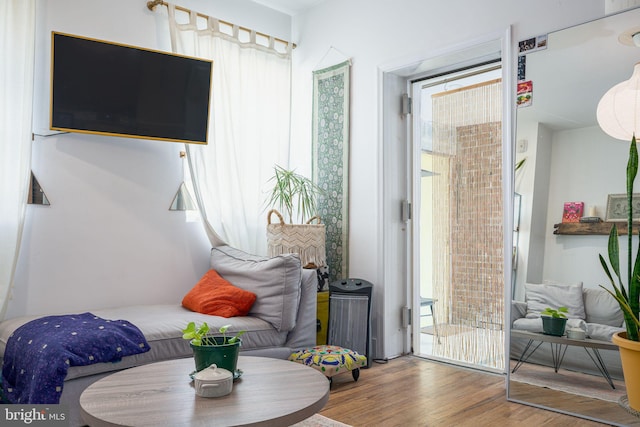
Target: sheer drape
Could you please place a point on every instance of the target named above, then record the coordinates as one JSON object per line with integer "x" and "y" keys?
{"x": 248, "y": 129}
{"x": 17, "y": 20}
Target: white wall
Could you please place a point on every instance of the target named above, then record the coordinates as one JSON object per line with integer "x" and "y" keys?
{"x": 376, "y": 33}
{"x": 532, "y": 182}
{"x": 108, "y": 237}
{"x": 586, "y": 165}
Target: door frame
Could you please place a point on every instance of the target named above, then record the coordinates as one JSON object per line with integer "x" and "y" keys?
{"x": 398, "y": 244}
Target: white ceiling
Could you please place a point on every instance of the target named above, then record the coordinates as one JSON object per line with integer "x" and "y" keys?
{"x": 580, "y": 64}
{"x": 290, "y": 7}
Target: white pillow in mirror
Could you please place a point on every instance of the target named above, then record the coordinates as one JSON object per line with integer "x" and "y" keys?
{"x": 540, "y": 296}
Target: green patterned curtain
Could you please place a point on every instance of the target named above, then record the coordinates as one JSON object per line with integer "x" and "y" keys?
{"x": 331, "y": 161}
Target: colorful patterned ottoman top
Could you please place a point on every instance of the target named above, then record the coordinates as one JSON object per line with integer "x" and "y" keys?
{"x": 330, "y": 359}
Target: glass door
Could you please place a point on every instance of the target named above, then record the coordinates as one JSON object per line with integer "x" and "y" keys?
{"x": 458, "y": 215}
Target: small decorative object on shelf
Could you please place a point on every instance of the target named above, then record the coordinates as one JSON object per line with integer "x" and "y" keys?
{"x": 572, "y": 211}
{"x": 590, "y": 219}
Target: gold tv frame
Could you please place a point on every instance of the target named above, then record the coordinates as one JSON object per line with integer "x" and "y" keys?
{"x": 117, "y": 134}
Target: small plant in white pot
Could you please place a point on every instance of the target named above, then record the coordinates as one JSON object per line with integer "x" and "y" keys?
{"x": 554, "y": 321}
{"x": 208, "y": 349}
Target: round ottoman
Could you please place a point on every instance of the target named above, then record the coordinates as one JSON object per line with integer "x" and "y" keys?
{"x": 331, "y": 360}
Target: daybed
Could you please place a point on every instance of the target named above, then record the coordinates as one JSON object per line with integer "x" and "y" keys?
{"x": 593, "y": 310}
{"x": 281, "y": 321}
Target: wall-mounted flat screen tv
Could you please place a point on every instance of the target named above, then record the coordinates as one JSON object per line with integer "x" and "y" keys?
{"x": 107, "y": 88}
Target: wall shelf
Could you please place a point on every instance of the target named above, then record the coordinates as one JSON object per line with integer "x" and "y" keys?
{"x": 592, "y": 228}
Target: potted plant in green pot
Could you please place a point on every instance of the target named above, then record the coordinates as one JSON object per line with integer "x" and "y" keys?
{"x": 292, "y": 192}
{"x": 554, "y": 321}
{"x": 207, "y": 349}
{"x": 628, "y": 299}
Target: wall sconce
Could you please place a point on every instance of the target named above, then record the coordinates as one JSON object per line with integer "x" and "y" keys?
{"x": 182, "y": 201}
{"x": 36, "y": 194}
{"x": 618, "y": 111}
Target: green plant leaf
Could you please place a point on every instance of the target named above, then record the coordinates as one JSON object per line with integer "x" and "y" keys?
{"x": 202, "y": 330}
{"x": 189, "y": 332}
{"x": 614, "y": 252}
{"x": 605, "y": 267}
{"x": 291, "y": 190}
{"x": 236, "y": 337}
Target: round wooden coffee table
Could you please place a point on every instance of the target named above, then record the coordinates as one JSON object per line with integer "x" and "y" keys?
{"x": 269, "y": 392}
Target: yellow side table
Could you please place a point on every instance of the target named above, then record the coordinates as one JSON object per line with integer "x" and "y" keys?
{"x": 322, "y": 313}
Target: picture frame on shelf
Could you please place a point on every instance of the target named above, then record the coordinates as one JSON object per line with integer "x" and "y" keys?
{"x": 617, "y": 208}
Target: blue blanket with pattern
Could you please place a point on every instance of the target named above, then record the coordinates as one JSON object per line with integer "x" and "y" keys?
{"x": 39, "y": 353}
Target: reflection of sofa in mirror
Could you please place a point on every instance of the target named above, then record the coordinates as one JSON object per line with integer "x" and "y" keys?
{"x": 592, "y": 310}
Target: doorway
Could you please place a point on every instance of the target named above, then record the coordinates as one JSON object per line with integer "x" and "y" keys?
{"x": 458, "y": 216}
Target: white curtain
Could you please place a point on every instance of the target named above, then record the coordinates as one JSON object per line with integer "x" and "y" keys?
{"x": 17, "y": 35}
{"x": 248, "y": 128}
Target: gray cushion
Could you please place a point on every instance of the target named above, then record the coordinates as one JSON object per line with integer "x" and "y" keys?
{"x": 535, "y": 324}
{"x": 518, "y": 310}
{"x": 602, "y": 308}
{"x": 601, "y": 332}
{"x": 162, "y": 326}
{"x": 274, "y": 280}
{"x": 541, "y": 296}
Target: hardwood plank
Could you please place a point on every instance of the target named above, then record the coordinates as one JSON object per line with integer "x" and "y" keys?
{"x": 411, "y": 391}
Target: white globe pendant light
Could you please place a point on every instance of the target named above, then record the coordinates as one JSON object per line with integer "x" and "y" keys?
{"x": 618, "y": 111}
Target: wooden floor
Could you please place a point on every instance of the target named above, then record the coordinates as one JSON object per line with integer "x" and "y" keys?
{"x": 410, "y": 391}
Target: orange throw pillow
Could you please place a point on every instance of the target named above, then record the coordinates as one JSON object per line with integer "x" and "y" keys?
{"x": 216, "y": 296}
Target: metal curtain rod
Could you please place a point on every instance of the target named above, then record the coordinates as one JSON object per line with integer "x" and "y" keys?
{"x": 151, "y": 5}
{"x": 461, "y": 76}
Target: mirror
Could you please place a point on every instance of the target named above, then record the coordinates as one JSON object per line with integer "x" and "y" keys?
{"x": 569, "y": 159}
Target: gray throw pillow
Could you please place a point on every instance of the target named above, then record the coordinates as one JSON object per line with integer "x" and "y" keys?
{"x": 274, "y": 280}
{"x": 541, "y": 296}
{"x": 602, "y": 308}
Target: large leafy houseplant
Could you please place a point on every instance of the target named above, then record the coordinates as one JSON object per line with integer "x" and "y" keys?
{"x": 628, "y": 299}
{"x": 293, "y": 191}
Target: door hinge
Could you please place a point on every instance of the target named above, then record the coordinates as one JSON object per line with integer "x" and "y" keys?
{"x": 406, "y": 104}
{"x": 405, "y": 210}
{"x": 406, "y": 317}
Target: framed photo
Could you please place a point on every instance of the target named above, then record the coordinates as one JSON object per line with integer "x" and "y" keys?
{"x": 617, "y": 208}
